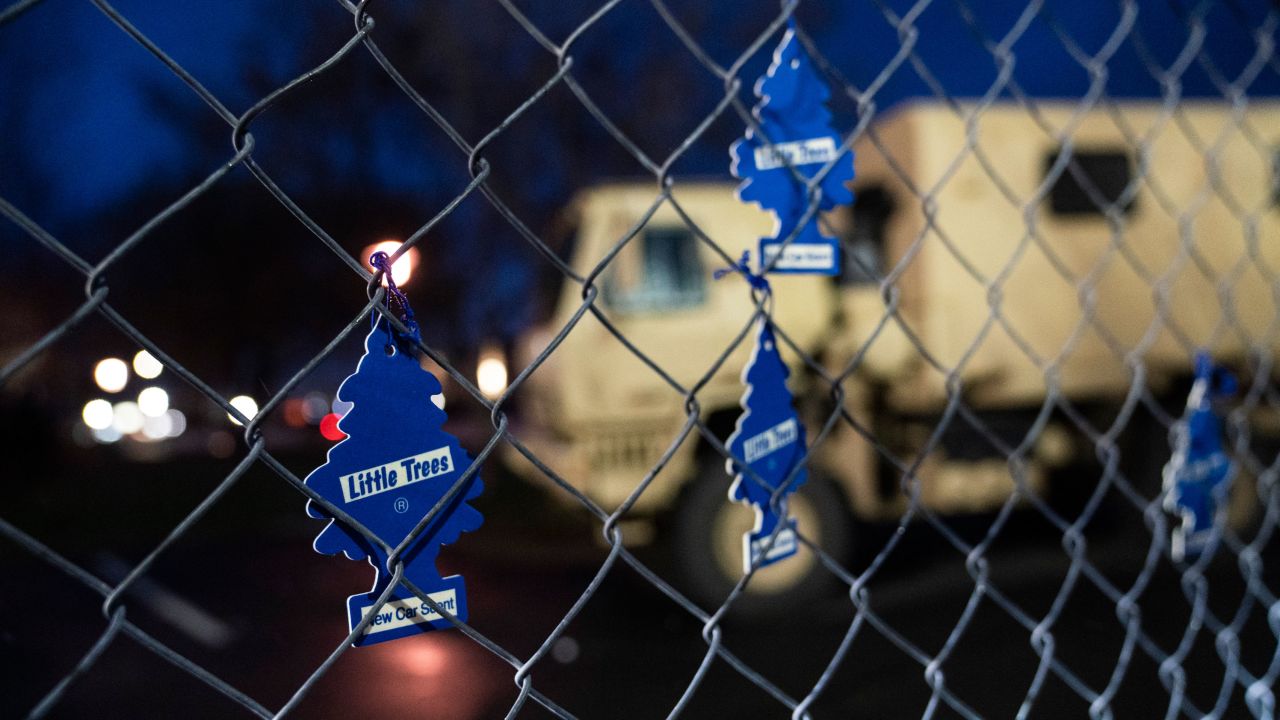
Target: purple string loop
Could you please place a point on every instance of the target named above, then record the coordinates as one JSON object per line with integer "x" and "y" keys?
{"x": 399, "y": 302}
{"x": 743, "y": 266}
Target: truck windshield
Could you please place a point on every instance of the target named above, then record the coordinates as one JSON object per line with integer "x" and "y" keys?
{"x": 659, "y": 270}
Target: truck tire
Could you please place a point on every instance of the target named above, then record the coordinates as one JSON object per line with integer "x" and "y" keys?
{"x": 705, "y": 546}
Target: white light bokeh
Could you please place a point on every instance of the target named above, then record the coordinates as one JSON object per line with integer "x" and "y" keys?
{"x": 315, "y": 406}
{"x": 246, "y": 405}
{"x": 342, "y": 407}
{"x": 402, "y": 269}
{"x": 177, "y": 422}
{"x": 565, "y": 650}
{"x": 128, "y": 418}
{"x": 158, "y": 427}
{"x": 111, "y": 374}
{"x": 98, "y": 414}
{"x": 146, "y": 365}
{"x": 106, "y": 435}
{"x": 491, "y": 374}
{"x": 153, "y": 402}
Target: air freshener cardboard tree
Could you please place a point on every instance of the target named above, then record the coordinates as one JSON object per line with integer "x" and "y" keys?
{"x": 1198, "y": 475}
{"x": 769, "y": 438}
{"x": 395, "y": 466}
{"x": 795, "y": 129}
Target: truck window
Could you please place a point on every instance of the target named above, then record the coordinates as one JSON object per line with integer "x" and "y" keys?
{"x": 864, "y": 242}
{"x": 1105, "y": 173}
{"x": 659, "y": 270}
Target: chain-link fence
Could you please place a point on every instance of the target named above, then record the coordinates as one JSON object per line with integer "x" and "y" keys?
{"x": 1010, "y": 342}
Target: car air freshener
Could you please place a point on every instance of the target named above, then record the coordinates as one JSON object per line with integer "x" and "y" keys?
{"x": 1198, "y": 475}
{"x": 767, "y": 445}
{"x": 794, "y": 142}
{"x": 397, "y": 472}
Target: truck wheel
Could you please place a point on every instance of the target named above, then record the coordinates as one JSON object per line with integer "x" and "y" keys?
{"x": 706, "y": 546}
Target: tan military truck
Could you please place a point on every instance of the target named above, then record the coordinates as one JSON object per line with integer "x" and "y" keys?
{"x": 1002, "y": 292}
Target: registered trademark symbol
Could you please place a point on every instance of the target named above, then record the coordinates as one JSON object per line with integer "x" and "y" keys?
{"x": 402, "y": 505}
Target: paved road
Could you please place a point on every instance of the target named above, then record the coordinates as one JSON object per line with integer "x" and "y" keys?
{"x": 245, "y": 596}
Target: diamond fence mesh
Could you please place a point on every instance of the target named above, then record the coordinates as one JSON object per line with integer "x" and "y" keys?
{"x": 1025, "y": 321}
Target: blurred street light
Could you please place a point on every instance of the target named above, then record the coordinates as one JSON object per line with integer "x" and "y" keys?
{"x": 294, "y": 412}
{"x": 106, "y": 435}
{"x": 157, "y": 427}
{"x": 153, "y": 401}
{"x": 146, "y": 365}
{"x": 491, "y": 372}
{"x": 315, "y": 406}
{"x": 329, "y": 428}
{"x": 98, "y": 414}
{"x": 246, "y": 405}
{"x": 128, "y": 419}
{"x": 177, "y": 422}
{"x": 402, "y": 269}
{"x": 111, "y": 374}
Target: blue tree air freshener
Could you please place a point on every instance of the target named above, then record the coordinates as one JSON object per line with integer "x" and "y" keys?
{"x": 394, "y": 467}
{"x": 795, "y": 130}
{"x": 770, "y": 440}
{"x": 1198, "y": 475}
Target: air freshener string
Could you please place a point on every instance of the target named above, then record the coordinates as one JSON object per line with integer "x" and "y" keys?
{"x": 743, "y": 266}
{"x": 399, "y": 302}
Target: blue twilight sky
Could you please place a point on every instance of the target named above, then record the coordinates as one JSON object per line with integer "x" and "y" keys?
{"x": 96, "y": 128}
{"x": 80, "y": 94}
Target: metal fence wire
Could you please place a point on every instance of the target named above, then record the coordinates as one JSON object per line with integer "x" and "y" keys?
{"x": 1217, "y": 229}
